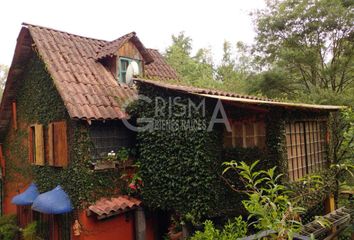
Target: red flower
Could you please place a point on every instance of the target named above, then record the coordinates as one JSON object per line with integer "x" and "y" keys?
{"x": 132, "y": 186}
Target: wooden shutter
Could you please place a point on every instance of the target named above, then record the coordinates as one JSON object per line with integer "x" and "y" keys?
{"x": 2, "y": 160}
{"x": 50, "y": 145}
{"x": 39, "y": 141}
{"x": 60, "y": 145}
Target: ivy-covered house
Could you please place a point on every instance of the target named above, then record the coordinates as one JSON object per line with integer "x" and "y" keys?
{"x": 60, "y": 118}
{"x": 187, "y": 134}
{"x": 68, "y": 103}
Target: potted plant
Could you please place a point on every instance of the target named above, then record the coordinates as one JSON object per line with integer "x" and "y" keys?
{"x": 107, "y": 162}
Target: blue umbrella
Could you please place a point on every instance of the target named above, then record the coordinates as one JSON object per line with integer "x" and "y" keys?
{"x": 55, "y": 201}
{"x": 27, "y": 197}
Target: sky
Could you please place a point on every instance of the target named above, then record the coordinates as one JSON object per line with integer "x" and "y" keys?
{"x": 207, "y": 22}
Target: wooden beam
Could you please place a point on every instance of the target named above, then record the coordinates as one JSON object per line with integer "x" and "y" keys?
{"x": 14, "y": 115}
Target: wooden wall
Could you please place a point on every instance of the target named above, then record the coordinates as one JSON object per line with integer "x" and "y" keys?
{"x": 130, "y": 51}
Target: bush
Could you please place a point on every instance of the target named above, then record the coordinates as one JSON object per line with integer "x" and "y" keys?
{"x": 30, "y": 232}
{"x": 8, "y": 227}
{"x": 232, "y": 230}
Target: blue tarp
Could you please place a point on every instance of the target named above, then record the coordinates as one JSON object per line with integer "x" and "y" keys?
{"x": 27, "y": 197}
{"x": 55, "y": 201}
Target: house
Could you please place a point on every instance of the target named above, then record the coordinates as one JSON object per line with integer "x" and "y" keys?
{"x": 217, "y": 126}
{"x": 63, "y": 112}
{"x": 60, "y": 112}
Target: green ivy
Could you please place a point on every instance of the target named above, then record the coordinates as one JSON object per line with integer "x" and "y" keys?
{"x": 39, "y": 102}
{"x": 181, "y": 169}
{"x": 37, "y": 99}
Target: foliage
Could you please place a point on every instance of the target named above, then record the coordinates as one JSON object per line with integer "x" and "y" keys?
{"x": 342, "y": 134}
{"x": 268, "y": 202}
{"x": 37, "y": 99}
{"x": 178, "y": 168}
{"x": 191, "y": 69}
{"x": 30, "y": 232}
{"x": 123, "y": 154}
{"x": 8, "y": 227}
{"x": 233, "y": 229}
{"x": 39, "y": 102}
{"x": 199, "y": 70}
{"x": 313, "y": 189}
{"x": 82, "y": 184}
{"x": 4, "y": 70}
{"x": 312, "y": 41}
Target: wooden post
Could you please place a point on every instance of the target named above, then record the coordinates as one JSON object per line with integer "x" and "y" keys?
{"x": 185, "y": 232}
{"x": 140, "y": 224}
{"x": 14, "y": 115}
{"x": 330, "y": 205}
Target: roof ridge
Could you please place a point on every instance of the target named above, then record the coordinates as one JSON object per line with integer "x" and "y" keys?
{"x": 133, "y": 33}
{"x": 117, "y": 39}
{"x": 60, "y": 31}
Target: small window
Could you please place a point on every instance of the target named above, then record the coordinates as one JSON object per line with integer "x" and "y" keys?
{"x": 245, "y": 134}
{"x": 36, "y": 144}
{"x": 109, "y": 136}
{"x": 123, "y": 66}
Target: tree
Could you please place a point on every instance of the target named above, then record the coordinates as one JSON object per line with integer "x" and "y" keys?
{"x": 3, "y": 76}
{"x": 192, "y": 69}
{"x": 312, "y": 40}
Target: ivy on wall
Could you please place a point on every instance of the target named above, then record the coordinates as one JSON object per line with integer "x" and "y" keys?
{"x": 181, "y": 169}
{"x": 82, "y": 184}
{"x": 39, "y": 102}
{"x": 177, "y": 167}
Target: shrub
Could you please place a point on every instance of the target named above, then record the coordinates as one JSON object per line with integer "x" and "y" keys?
{"x": 232, "y": 230}
{"x": 8, "y": 227}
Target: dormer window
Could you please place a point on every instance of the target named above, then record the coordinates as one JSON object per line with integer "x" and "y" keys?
{"x": 123, "y": 67}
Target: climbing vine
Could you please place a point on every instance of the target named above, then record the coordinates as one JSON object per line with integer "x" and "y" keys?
{"x": 181, "y": 170}
{"x": 39, "y": 102}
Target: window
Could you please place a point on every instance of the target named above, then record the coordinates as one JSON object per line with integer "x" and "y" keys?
{"x": 109, "y": 136}
{"x": 123, "y": 66}
{"x": 36, "y": 144}
{"x": 57, "y": 144}
{"x": 305, "y": 141}
{"x": 245, "y": 134}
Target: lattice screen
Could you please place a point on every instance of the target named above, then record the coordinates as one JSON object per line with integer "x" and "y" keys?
{"x": 246, "y": 134}
{"x": 305, "y": 141}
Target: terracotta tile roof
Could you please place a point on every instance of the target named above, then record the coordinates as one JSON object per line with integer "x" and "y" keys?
{"x": 111, "y": 48}
{"x": 107, "y": 207}
{"x": 88, "y": 89}
{"x": 159, "y": 68}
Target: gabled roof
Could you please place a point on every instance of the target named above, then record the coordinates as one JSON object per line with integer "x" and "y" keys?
{"x": 159, "y": 69}
{"x": 239, "y": 98}
{"x": 111, "y": 48}
{"x": 88, "y": 89}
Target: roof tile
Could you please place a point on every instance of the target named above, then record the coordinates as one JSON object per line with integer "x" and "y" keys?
{"x": 107, "y": 207}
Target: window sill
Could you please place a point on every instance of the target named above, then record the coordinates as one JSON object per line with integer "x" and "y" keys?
{"x": 103, "y": 165}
